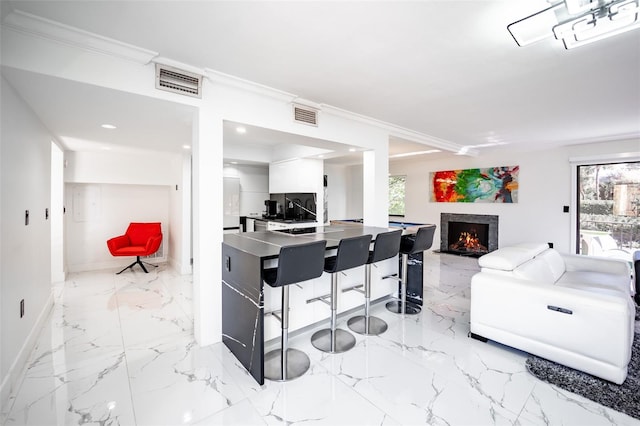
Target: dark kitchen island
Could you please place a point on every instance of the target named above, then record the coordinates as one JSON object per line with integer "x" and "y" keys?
{"x": 244, "y": 296}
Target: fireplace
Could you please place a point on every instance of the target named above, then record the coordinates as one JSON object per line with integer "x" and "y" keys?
{"x": 468, "y": 234}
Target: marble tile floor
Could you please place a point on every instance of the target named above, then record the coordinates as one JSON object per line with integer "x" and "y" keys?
{"x": 119, "y": 350}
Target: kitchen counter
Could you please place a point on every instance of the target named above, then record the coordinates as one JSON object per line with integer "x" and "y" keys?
{"x": 272, "y": 224}
{"x": 246, "y": 301}
{"x": 266, "y": 244}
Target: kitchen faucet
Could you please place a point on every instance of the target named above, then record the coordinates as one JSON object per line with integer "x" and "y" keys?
{"x": 300, "y": 206}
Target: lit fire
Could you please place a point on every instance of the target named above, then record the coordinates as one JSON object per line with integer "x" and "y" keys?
{"x": 468, "y": 241}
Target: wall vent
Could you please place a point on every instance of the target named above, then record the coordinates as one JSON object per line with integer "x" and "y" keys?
{"x": 178, "y": 81}
{"x": 305, "y": 115}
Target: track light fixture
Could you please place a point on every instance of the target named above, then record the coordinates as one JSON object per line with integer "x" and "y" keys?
{"x": 577, "y": 22}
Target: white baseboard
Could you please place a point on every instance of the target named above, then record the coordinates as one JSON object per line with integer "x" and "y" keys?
{"x": 180, "y": 268}
{"x": 16, "y": 370}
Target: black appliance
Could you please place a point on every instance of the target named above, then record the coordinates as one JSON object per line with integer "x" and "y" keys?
{"x": 271, "y": 208}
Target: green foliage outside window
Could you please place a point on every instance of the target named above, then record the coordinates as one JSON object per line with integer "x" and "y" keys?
{"x": 396, "y": 195}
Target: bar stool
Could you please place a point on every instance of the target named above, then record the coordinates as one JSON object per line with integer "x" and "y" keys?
{"x": 386, "y": 246}
{"x": 352, "y": 252}
{"x": 296, "y": 263}
{"x": 422, "y": 242}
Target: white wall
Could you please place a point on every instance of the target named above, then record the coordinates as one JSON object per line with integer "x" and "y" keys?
{"x": 107, "y": 190}
{"x": 56, "y": 213}
{"x": 224, "y": 98}
{"x": 25, "y": 266}
{"x": 544, "y": 188}
{"x": 300, "y": 175}
{"x": 142, "y": 167}
{"x": 337, "y": 184}
{"x": 179, "y": 254}
{"x": 355, "y": 192}
{"x": 97, "y": 212}
{"x": 254, "y": 187}
{"x": 345, "y": 191}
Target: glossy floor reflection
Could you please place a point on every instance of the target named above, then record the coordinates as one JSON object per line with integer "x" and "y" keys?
{"x": 119, "y": 350}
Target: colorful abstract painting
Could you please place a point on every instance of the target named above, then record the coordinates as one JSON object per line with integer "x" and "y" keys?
{"x": 490, "y": 185}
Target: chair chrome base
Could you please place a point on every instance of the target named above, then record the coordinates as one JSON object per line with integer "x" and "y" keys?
{"x": 409, "y": 309}
{"x": 336, "y": 342}
{"x": 358, "y": 324}
{"x": 297, "y": 364}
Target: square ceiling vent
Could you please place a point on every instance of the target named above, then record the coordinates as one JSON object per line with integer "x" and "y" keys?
{"x": 178, "y": 81}
{"x": 305, "y": 115}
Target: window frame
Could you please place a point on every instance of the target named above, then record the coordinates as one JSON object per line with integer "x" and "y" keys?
{"x": 404, "y": 196}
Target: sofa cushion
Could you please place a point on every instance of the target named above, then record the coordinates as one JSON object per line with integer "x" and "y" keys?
{"x": 509, "y": 258}
{"x": 535, "y": 270}
{"x": 554, "y": 262}
{"x": 597, "y": 282}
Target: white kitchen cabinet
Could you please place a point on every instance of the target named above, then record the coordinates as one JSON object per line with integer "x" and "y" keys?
{"x": 231, "y": 203}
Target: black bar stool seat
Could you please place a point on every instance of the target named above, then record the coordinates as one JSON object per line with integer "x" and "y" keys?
{"x": 296, "y": 263}
{"x": 352, "y": 252}
{"x": 386, "y": 246}
{"x": 422, "y": 241}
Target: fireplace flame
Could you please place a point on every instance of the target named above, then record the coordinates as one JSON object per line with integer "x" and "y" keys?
{"x": 468, "y": 241}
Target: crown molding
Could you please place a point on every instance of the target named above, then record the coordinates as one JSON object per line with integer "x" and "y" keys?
{"x": 612, "y": 138}
{"x": 229, "y": 80}
{"x": 33, "y": 25}
{"x": 240, "y": 83}
{"x": 607, "y": 158}
{"x": 398, "y": 131}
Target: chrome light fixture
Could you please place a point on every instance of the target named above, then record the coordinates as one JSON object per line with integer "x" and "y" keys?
{"x": 577, "y": 22}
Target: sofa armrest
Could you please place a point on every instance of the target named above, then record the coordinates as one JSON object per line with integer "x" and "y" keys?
{"x": 575, "y": 262}
{"x": 117, "y": 243}
{"x": 578, "y": 321}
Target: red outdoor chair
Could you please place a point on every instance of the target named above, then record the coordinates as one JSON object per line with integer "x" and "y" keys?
{"x": 141, "y": 239}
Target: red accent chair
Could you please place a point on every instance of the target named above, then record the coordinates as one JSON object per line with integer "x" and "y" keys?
{"x": 141, "y": 239}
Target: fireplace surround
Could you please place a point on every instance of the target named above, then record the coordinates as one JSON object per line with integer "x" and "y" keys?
{"x": 468, "y": 234}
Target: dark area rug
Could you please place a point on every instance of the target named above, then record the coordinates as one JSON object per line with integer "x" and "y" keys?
{"x": 624, "y": 398}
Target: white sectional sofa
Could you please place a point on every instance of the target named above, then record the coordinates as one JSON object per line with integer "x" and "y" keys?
{"x": 574, "y": 310}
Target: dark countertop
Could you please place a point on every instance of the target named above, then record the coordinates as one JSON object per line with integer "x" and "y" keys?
{"x": 266, "y": 244}
{"x": 266, "y": 219}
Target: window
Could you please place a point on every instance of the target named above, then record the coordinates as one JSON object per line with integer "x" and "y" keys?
{"x": 396, "y": 195}
{"x": 608, "y": 209}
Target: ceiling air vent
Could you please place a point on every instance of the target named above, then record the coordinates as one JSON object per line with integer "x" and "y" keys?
{"x": 178, "y": 81}
{"x": 305, "y": 115}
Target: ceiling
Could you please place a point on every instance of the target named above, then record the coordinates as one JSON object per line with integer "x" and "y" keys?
{"x": 445, "y": 69}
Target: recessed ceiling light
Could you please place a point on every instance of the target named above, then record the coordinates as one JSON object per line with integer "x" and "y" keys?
{"x": 352, "y": 150}
{"x": 186, "y": 146}
{"x": 241, "y": 130}
{"x": 108, "y": 126}
{"x": 234, "y": 162}
{"x": 321, "y": 156}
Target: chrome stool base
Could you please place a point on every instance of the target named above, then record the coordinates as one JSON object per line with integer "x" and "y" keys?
{"x": 336, "y": 342}
{"x": 375, "y": 326}
{"x": 297, "y": 364}
{"x": 409, "y": 309}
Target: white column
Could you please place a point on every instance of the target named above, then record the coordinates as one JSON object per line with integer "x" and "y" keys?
{"x": 187, "y": 208}
{"x": 375, "y": 194}
{"x": 56, "y": 214}
{"x": 207, "y": 225}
